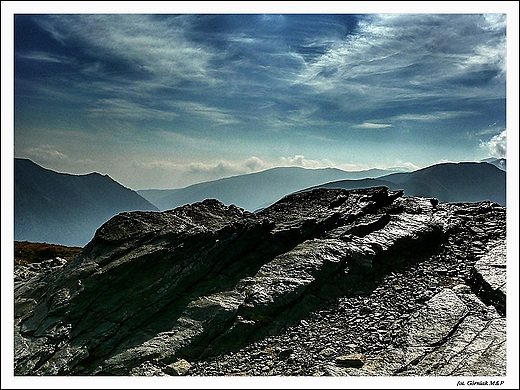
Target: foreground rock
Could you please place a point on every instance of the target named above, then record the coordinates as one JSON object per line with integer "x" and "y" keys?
{"x": 326, "y": 282}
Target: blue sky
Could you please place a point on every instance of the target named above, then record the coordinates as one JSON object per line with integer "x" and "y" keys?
{"x": 164, "y": 100}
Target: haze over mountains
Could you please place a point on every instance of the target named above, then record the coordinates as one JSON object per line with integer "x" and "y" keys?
{"x": 449, "y": 182}
{"x": 256, "y": 190}
{"x": 67, "y": 209}
{"x": 60, "y": 208}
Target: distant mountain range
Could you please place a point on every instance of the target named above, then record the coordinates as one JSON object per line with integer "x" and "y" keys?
{"x": 255, "y": 190}
{"x": 448, "y": 182}
{"x": 59, "y": 208}
{"x": 66, "y": 209}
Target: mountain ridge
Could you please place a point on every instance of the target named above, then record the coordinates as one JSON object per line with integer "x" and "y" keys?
{"x": 254, "y": 190}
{"x": 61, "y": 208}
{"x": 467, "y": 185}
{"x": 447, "y": 182}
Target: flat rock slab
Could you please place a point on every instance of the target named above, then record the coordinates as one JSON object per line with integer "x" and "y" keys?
{"x": 436, "y": 320}
{"x": 492, "y": 268}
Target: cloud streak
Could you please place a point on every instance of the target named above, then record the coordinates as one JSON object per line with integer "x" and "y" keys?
{"x": 370, "y": 125}
{"x": 434, "y": 116}
{"x": 44, "y": 57}
{"x": 123, "y": 109}
{"x": 382, "y": 61}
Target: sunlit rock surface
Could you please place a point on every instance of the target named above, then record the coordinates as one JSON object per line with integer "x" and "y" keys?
{"x": 325, "y": 282}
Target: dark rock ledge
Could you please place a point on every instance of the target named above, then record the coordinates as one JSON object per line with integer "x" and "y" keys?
{"x": 326, "y": 282}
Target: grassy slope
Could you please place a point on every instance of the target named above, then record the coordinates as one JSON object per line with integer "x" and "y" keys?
{"x": 34, "y": 252}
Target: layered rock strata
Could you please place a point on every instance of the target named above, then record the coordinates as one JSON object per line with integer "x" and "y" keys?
{"x": 324, "y": 282}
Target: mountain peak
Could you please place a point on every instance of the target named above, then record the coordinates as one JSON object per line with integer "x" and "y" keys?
{"x": 61, "y": 208}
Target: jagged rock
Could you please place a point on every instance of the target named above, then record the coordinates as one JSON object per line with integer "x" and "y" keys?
{"x": 169, "y": 293}
{"x": 23, "y": 273}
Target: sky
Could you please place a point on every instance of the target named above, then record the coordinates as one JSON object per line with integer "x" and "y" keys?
{"x": 165, "y": 99}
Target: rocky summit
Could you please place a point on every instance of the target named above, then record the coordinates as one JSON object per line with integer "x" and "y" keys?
{"x": 327, "y": 282}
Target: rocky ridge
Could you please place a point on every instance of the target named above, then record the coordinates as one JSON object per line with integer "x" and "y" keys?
{"x": 325, "y": 282}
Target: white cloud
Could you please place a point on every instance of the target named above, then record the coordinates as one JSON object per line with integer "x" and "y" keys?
{"x": 405, "y": 166}
{"x": 301, "y": 161}
{"x": 497, "y": 146}
{"x": 158, "y": 47}
{"x": 153, "y": 172}
{"x": 370, "y": 125}
{"x": 44, "y": 57}
{"x": 255, "y": 164}
{"x": 434, "y": 116}
{"x": 493, "y": 22}
{"x": 176, "y": 173}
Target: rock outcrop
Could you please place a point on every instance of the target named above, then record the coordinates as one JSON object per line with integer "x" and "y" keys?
{"x": 325, "y": 282}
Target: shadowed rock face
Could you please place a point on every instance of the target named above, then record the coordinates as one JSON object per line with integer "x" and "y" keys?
{"x": 171, "y": 293}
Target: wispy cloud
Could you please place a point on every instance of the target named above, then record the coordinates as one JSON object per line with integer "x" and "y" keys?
{"x": 145, "y": 43}
{"x": 401, "y": 57}
{"x": 44, "y": 57}
{"x": 46, "y": 153}
{"x": 199, "y": 110}
{"x": 198, "y": 97}
{"x": 370, "y": 125}
{"x": 385, "y": 61}
{"x": 127, "y": 110}
{"x": 434, "y": 116}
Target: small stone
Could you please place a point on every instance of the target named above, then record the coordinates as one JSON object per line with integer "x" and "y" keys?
{"x": 462, "y": 289}
{"x": 351, "y": 360}
{"x": 179, "y": 368}
{"x": 327, "y": 352}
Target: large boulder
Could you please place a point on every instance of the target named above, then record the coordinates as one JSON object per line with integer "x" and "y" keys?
{"x": 191, "y": 284}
